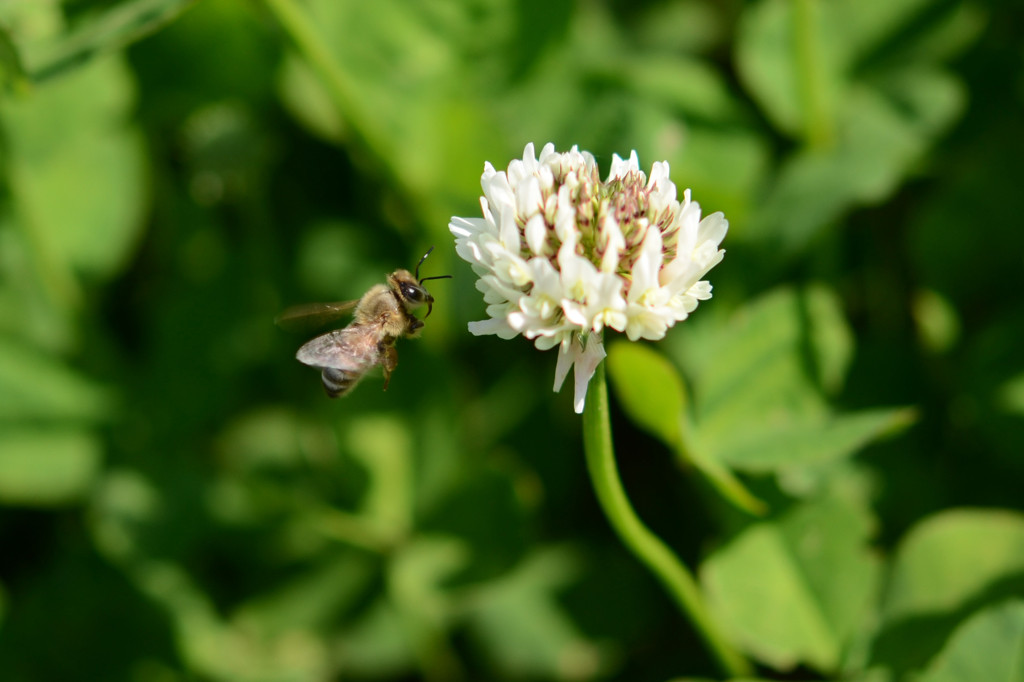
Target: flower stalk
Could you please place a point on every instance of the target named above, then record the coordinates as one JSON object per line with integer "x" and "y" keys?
{"x": 644, "y": 544}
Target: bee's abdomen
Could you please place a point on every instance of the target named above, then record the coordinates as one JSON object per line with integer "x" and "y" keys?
{"x": 338, "y": 382}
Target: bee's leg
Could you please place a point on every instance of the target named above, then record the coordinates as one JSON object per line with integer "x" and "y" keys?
{"x": 389, "y": 363}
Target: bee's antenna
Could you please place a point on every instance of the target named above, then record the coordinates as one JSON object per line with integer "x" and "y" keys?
{"x": 417, "y": 273}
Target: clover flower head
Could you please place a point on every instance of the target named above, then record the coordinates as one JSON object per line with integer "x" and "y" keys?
{"x": 561, "y": 255}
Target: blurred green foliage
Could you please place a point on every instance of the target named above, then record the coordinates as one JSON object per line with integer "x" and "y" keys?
{"x": 178, "y": 501}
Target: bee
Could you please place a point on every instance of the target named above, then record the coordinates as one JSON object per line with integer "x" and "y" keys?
{"x": 380, "y": 317}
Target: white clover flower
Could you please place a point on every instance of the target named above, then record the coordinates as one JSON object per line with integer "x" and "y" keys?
{"x": 561, "y": 255}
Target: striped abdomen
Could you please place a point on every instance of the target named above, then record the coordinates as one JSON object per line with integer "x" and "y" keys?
{"x": 338, "y": 382}
{"x": 343, "y": 356}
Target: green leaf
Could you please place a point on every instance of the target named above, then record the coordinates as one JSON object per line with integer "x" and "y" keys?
{"x": 39, "y": 386}
{"x": 274, "y": 438}
{"x": 863, "y": 27}
{"x": 306, "y": 99}
{"x": 952, "y": 558}
{"x": 1010, "y": 395}
{"x": 420, "y": 570}
{"x": 986, "y": 647}
{"x": 787, "y": 443}
{"x": 124, "y": 505}
{"x": 219, "y": 648}
{"x": 731, "y": 679}
{"x": 798, "y": 58}
{"x": 650, "y": 390}
{"x": 783, "y": 78}
{"x": 725, "y": 167}
{"x": 690, "y": 86}
{"x": 418, "y": 576}
{"x": 383, "y": 446}
{"x": 652, "y": 394}
{"x": 942, "y": 36}
{"x": 759, "y": 383}
{"x": 859, "y": 83}
{"x": 949, "y": 566}
{"x": 777, "y": 353}
{"x": 471, "y": 508}
{"x": 376, "y": 646}
{"x": 388, "y": 90}
{"x": 12, "y": 72}
{"x": 67, "y": 131}
{"x": 45, "y": 468}
{"x": 518, "y": 621}
{"x": 102, "y": 32}
{"x": 937, "y": 321}
{"x": 795, "y": 589}
{"x": 880, "y": 136}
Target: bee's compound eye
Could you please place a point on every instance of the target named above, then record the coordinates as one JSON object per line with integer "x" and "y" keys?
{"x": 412, "y": 293}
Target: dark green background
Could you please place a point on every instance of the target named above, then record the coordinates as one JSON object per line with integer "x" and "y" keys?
{"x": 179, "y": 501}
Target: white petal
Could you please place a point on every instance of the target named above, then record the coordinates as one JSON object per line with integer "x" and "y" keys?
{"x": 689, "y": 224}
{"x": 550, "y": 341}
{"x": 663, "y": 190}
{"x": 519, "y": 169}
{"x": 546, "y": 154}
{"x": 498, "y": 191}
{"x": 508, "y": 232}
{"x": 546, "y": 179}
{"x": 605, "y": 304}
{"x": 528, "y": 197}
{"x": 492, "y": 326}
{"x": 713, "y": 228}
{"x": 536, "y": 233}
{"x": 682, "y": 305}
{"x": 645, "y": 323}
{"x": 584, "y": 368}
{"x": 579, "y": 276}
{"x": 565, "y": 217}
{"x": 517, "y": 321}
{"x": 495, "y": 291}
{"x": 529, "y": 158}
{"x": 614, "y": 242}
{"x": 620, "y": 168}
{"x": 701, "y": 290}
{"x": 469, "y": 251}
{"x": 546, "y": 281}
{"x": 647, "y": 267}
{"x": 566, "y": 359}
{"x": 575, "y": 313}
{"x": 513, "y": 270}
{"x": 468, "y": 227}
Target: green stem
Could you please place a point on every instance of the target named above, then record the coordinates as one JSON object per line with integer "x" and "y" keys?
{"x": 303, "y": 34}
{"x": 809, "y": 55}
{"x": 361, "y": 127}
{"x": 645, "y": 545}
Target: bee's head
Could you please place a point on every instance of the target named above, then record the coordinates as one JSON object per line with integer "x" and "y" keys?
{"x": 409, "y": 286}
{"x": 409, "y": 290}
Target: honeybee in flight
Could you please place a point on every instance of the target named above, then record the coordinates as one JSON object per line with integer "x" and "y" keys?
{"x": 380, "y": 317}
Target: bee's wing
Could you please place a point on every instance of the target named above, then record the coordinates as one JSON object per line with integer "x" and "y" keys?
{"x": 354, "y": 348}
{"x": 310, "y": 316}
